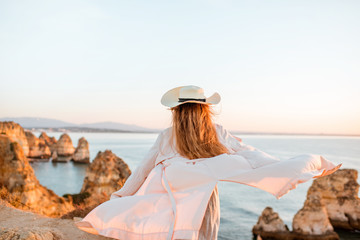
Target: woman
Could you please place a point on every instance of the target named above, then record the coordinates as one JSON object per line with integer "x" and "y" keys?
{"x": 173, "y": 193}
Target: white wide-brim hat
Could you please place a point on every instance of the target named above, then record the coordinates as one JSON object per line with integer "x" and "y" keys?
{"x": 188, "y": 94}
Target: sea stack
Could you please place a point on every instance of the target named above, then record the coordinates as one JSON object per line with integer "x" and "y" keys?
{"x": 312, "y": 220}
{"x": 81, "y": 154}
{"x": 339, "y": 193}
{"x": 270, "y": 226}
{"x": 50, "y": 141}
{"x": 21, "y": 184}
{"x": 106, "y": 174}
{"x": 16, "y": 133}
{"x": 64, "y": 149}
{"x": 37, "y": 147}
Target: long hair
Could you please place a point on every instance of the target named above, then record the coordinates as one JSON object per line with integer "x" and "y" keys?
{"x": 194, "y": 131}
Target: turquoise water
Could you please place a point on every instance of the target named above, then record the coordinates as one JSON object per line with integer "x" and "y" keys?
{"x": 240, "y": 205}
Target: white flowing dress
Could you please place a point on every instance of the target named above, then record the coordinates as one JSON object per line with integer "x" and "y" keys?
{"x": 171, "y": 197}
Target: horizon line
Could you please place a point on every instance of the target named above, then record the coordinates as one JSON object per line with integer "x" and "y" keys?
{"x": 234, "y": 132}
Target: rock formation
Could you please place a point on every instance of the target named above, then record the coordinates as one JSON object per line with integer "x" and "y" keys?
{"x": 50, "y": 141}
{"x": 312, "y": 220}
{"x": 37, "y": 147}
{"x": 339, "y": 193}
{"x": 17, "y": 176}
{"x": 82, "y": 154}
{"x": 106, "y": 174}
{"x": 64, "y": 149}
{"x": 270, "y": 226}
{"x": 310, "y": 223}
{"x": 16, "y": 133}
{"x": 54, "y": 156}
{"x": 332, "y": 202}
{"x": 29, "y": 233}
{"x": 21, "y": 225}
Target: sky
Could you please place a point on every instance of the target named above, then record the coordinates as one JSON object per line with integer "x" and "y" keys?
{"x": 279, "y": 66}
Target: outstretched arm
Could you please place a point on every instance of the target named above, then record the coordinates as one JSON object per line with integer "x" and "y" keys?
{"x": 248, "y": 165}
{"x": 137, "y": 178}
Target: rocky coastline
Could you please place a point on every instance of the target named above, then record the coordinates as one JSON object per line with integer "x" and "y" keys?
{"x": 23, "y": 198}
{"x": 45, "y": 148}
{"x": 332, "y": 202}
{"x": 18, "y": 178}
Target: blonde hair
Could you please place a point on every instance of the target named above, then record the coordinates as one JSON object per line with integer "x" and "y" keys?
{"x": 194, "y": 131}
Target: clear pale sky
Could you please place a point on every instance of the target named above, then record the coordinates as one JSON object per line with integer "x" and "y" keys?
{"x": 280, "y": 66}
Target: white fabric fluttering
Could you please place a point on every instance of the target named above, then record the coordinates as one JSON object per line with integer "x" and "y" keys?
{"x": 166, "y": 197}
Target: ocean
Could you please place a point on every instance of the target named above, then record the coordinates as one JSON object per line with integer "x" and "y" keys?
{"x": 241, "y": 205}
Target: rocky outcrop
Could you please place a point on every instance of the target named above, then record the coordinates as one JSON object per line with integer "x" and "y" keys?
{"x": 37, "y": 147}
{"x": 332, "y": 202}
{"x": 64, "y": 149}
{"x": 312, "y": 220}
{"x": 54, "y": 156}
{"x": 339, "y": 193}
{"x": 106, "y": 174}
{"x": 17, "y": 176}
{"x": 29, "y": 233}
{"x": 21, "y": 225}
{"x": 270, "y": 226}
{"x": 310, "y": 223}
{"x": 80, "y": 212}
{"x": 16, "y": 133}
{"x": 81, "y": 154}
{"x": 50, "y": 141}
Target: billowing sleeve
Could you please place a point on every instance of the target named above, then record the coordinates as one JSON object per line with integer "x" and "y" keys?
{"x": 255, "y": 157}
{"x": 137, "y": 178}
{"x": 250, "y": 166}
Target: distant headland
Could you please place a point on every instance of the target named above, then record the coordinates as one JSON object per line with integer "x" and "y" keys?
{"x": 54, "y": 125}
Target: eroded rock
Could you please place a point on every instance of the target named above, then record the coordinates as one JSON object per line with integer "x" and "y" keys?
{"x": 29, "y": 233}
{"x": 64, "y": 149}
{"x": 106, "y": 174}
{"x": 270, "y": 226}
{"x": 50, "y": 141}
{"x": 339, "y": 192}
{"x": 18, "y": 177}
{"x": 16, "y": 133}
{"x": 19, "y": 224}
{"x": 81, "y": 153}
{"x": 332, "y": 202}
{"x": 312, "y": 219}
{"x": 37, "y": 147}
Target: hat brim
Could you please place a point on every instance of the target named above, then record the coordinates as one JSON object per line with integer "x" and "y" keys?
{"x": 171, "y": 98}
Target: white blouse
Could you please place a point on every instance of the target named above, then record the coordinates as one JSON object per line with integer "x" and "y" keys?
{"x": 211, "y": 222}
{"x": 171, "y": 197}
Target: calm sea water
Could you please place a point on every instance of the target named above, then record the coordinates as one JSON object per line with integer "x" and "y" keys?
{"x": 240, "y": 205}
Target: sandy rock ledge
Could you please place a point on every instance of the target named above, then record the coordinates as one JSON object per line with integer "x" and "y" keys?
{"x": 22, "y": 225}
